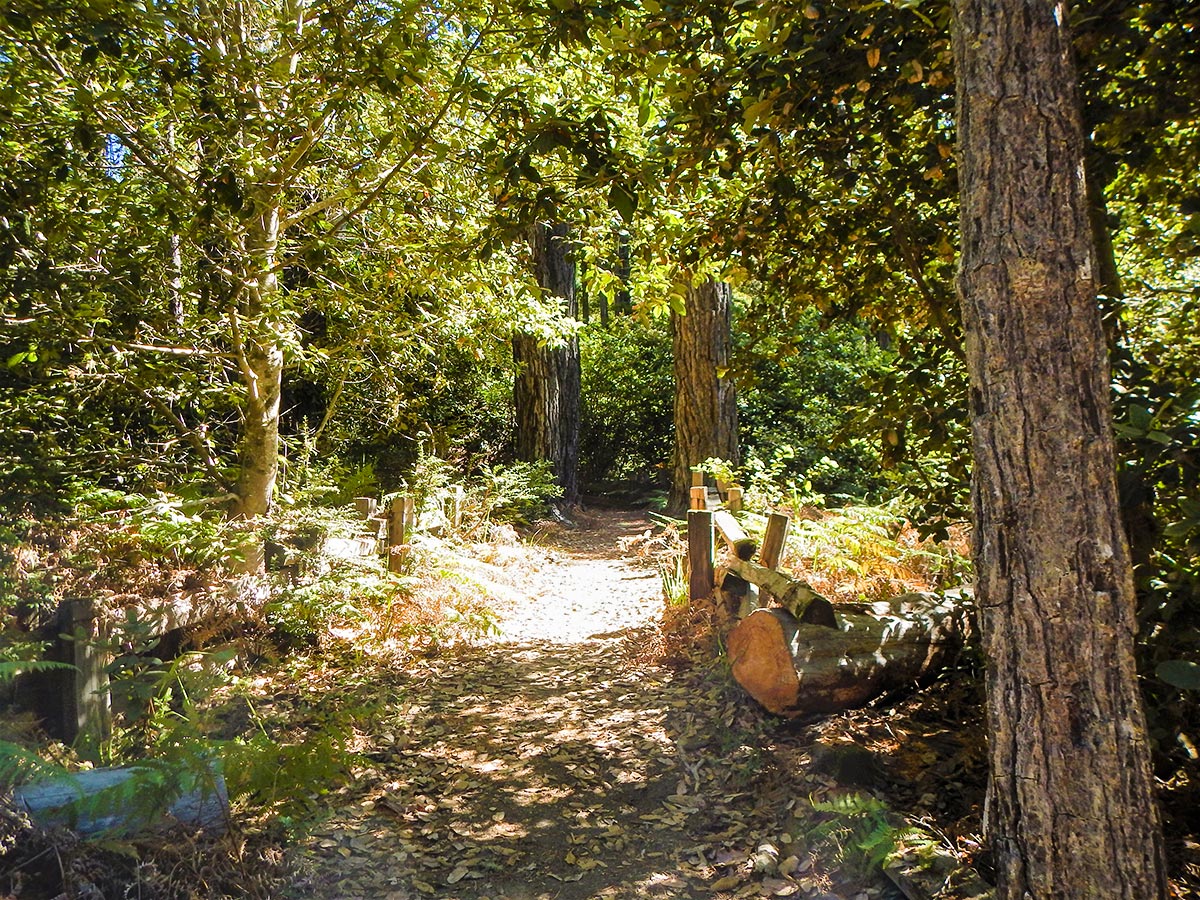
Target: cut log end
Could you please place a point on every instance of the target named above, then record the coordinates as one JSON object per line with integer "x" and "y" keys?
{"x": 761, "y": 661}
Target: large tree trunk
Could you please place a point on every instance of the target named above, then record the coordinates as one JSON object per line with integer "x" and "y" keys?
{"x": 705, "y": 401}
{"x": 546, "y": 389}
{"x": 1072, "y": 812}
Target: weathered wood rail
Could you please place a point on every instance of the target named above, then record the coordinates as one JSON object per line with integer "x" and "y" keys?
{"x": 794, "y": 651}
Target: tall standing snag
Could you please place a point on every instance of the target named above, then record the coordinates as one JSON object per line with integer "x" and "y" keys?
{"x": 1072, "y": 813}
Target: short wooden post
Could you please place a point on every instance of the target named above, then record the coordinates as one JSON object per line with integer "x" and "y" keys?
{"x": 773, "y": 542}
{"x": 699, "y": 497}
{"x": 86, "y": 716}
{"x": 700, "y": 554}
{"x": 400, "y": 522}
{"x": 365, "y": 506}
{"x": 697, "y": 477}
{"x": 733, "y": 498}
{"x": 456, "y": 514}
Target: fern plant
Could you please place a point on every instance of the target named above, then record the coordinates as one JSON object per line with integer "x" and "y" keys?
{"x": 858, "y": 830}
{"x": 11, "y": 668}
{"x": 19, "y": 764}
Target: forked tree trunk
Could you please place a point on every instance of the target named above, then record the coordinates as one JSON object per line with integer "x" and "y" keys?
{"x": 1072, "y": 812}
{"x": 705, "y": 401}
{"x": 547, "y": 384}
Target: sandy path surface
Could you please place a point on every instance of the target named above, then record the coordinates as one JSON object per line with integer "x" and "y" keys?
{"x": 589, "y": 587}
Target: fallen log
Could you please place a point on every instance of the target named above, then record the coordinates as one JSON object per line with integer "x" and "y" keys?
{"x": 128, "y": 799}
{"x": 793, "y": 668}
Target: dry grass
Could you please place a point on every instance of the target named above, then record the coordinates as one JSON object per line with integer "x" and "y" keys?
{"x": 870, "y": 553}
{"x": 851, "y": 554}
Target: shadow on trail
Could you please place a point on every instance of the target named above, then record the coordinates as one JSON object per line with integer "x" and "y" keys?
{"x": 550, "y": 771}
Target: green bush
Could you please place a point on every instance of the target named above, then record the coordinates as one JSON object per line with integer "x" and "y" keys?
{"x": 798, "y": 375}
{"x": 628, "y": 392}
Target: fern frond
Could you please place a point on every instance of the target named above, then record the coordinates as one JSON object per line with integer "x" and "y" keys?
{"x": 10, "y": 668}
{"x": 20, "y": 764}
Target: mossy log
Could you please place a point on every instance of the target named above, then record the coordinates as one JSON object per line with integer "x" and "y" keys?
{"x": 794, "y": 595}
{"x": 793, "y": 668}
{"x": 129, "y": 799}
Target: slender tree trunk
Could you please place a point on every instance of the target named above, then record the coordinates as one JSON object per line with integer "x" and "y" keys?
{"x": 623, "y": 302}
{"x": 260, "y": 354}
{"x": 1072, "y": 812}
{"x": 705, "y": 402}
{"x": 585, "y": 307}
{"x": 546, "y": 389}
{"x": 175, "y": 254}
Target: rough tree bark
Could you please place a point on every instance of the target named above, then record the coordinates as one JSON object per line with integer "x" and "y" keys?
{"x": 546, "y": 388}
{"x": 1071, "y": 811}
{"x": 705, "y": 402}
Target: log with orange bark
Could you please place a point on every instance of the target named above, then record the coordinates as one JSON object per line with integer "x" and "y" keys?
{"x": 795, "y": 668}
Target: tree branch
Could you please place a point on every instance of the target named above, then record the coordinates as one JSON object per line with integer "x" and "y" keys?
{"x": 381, "y": 184}
{"x": 194, "y": 437}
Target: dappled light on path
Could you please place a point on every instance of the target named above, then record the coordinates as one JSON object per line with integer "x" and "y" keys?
{"x": 556, "y": 761}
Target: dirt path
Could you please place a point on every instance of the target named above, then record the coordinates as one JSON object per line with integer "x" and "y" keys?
{"x": 555, "y": 762}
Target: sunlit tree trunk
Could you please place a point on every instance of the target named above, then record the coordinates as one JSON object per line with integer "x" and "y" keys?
{"x": 547, "y": 384}
{"x": 1071, "y": 812}
{"x": 258, "y": 339}
{"x": 706, "y": 423}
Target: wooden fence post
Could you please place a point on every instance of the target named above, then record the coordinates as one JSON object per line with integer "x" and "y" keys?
{"x": 773, "y": 542}
{"x": 86, "y": 718}
{"x": 697, "y": 477}
{"x": 733, "y": 498}
{"x": 699, "y": 498}
{"x": 456, "y": 513}
{"x": 400, "y": 523}
{"x": 700, "y": 554}
{"x": 365, "y": 506}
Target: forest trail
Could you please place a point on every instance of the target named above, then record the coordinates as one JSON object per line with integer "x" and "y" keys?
{"x": 555, "y": 762}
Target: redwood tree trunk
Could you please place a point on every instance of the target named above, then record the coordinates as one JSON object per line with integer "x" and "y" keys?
{"x": 705, "y": 401}
{"x": 1072, "y": 812}
{"x": 546, "y": 389}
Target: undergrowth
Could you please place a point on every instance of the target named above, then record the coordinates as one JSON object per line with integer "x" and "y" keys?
{"x": 871, "y": 553}
{"x": 196, "y": 699}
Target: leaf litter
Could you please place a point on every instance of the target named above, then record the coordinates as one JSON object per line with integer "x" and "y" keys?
{"x": 564, "y": 759}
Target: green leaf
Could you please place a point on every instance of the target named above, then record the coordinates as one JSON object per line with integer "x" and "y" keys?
{"x": 1180, "y": 673}
{"x": 623, "y": 202}
{"x": 12, "y": 668}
